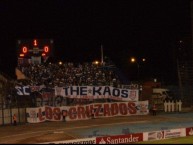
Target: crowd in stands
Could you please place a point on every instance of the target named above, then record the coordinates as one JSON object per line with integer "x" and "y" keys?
{"x": 70, "y": 74}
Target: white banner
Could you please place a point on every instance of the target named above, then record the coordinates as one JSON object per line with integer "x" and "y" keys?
{"x": 34, "y": 115}
{"x": 74, "y": 141}
{"x": 164, "y": 134}
{"x": 98, "y": 92}
{"x": 154, "y": 135}
{"x": 174, "y": 133}
{"x": 85, "y": 112}
{"x": 22, "y": 90}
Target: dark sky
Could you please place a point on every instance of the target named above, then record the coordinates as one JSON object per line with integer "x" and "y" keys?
{"x": 125, "y": 28}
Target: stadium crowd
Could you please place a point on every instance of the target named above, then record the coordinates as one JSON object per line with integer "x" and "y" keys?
{"x": 70, "y": 74}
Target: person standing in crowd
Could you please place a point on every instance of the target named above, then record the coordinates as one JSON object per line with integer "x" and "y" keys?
{"x": 64, "y": 114}
{"x": 154, "y": 110}
{"x": 14, "y": 120}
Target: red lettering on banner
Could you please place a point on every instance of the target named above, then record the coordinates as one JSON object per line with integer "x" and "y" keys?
{"x": 40, "y": 116}
{"x": 123, "y": 108}
{"x": 99, "y": 106}
{"x": 114, "y": 109}
{"x": 107, "y": 110}
{"x": 91, "y": 107}
{"x": 132, "y": 109}
{"x": 48, "y": 111}
{"x": 88, "y": 111}
{"x": 85, "y": 112}
{"x": 72, "y": 113}
{"x": 120, "y": 139}
{"x": 57, "y": 113}
{"x": 81, "y": 113}
{"x": 92, "y": 110}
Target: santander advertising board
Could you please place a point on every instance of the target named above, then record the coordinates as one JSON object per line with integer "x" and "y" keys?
{"x": 120, "y": 139}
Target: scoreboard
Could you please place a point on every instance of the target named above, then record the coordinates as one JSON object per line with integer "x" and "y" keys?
{"x": 34, "y": 50}
{"x": 35, "y": 47}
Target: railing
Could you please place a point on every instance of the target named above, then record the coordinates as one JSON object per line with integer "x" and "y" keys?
{"x": 172, "y": 106}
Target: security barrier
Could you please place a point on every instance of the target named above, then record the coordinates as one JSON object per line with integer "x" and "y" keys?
{"x": 172, "y": 106}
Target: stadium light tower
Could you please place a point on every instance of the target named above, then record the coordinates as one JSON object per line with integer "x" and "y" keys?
{"x": 102, "y": 60}
{"x": 134, "y": 60}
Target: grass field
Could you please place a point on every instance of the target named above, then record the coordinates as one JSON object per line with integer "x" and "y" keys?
{"x": 181, "y": 140}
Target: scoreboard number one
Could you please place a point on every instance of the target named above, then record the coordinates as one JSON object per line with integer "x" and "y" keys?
{"x": 35, "y": 42}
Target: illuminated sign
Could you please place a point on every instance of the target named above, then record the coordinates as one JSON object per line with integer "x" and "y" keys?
{"x": 35, "y": 42}
{"x": 24, "y": 49}
{"x": 35, "y": 47}
{"x": 46, "y": 49}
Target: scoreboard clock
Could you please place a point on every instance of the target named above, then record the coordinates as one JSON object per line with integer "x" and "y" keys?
{"x": 34, "y": 49}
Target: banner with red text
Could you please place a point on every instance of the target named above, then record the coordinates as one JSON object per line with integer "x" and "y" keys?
{"x": 84, "y": 112}
{"x": 120, "y": 139}
{"x": 174, "y": 133}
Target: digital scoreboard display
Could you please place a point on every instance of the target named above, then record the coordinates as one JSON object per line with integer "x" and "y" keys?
{"x": 34, "y": 48}
{"x": 34, "y": 51}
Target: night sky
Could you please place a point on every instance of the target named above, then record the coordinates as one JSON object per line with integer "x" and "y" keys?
{"x": 142, "y": 28}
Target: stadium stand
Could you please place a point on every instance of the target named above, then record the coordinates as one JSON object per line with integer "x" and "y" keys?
{"x": 69, "y": 74}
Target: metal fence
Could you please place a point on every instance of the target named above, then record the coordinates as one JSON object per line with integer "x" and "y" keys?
{"x": 6, "y": 115}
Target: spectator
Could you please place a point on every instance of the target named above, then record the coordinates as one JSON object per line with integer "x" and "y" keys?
{"x": 64, "y": 114}
{"x": 154, "y": 109}
{"x": 14, "y": 120}
{"x": 69, "y": 74}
